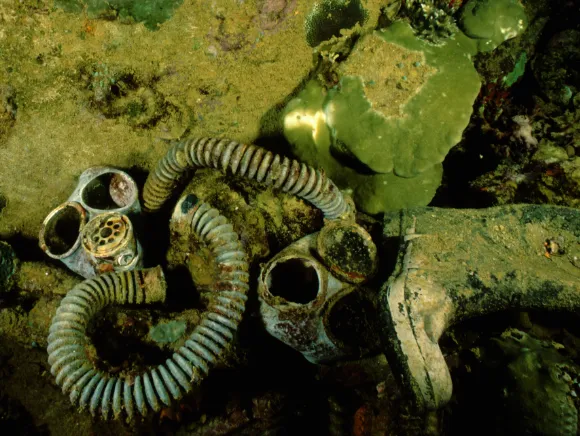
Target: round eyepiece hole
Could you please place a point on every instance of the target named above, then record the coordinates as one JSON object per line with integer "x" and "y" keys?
{"x": 61, "y": 230}
{"x": 294, "y": 280}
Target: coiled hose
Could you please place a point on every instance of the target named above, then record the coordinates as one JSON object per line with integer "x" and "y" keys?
{"x": 90, "y": 387}
{"x": 247, "y": 161}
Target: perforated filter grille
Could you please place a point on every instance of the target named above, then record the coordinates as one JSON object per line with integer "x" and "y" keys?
{"x": 105, "y": 233}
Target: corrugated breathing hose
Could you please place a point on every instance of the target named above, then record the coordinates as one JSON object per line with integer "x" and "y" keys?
{"x": 90, "y": 387}
{"x": 247, "y": 161}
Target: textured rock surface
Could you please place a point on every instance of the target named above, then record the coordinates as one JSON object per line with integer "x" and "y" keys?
{"x": 77, "y": 91}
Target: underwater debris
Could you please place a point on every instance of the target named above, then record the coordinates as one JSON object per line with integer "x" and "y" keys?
{"x": 74, "y": 372}
{"x": 90, "y": 387}
{"x": 320, "y": 289}
{"x": 441, "y": 279}
{"x": 247, "y": 161}
{"x": 139, "y": 144}
{"x": 348, "y": 251}
{"x": 301, "y": 289}
{"x": 96, "y": 229}
{"x": 102, "y": 393}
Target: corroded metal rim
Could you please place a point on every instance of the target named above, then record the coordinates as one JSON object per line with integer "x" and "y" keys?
{"x": 54, "y": 215}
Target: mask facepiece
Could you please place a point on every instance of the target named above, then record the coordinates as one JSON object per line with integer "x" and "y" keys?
{"x": 302, "y": 287}
{"x": 94, "y": 231}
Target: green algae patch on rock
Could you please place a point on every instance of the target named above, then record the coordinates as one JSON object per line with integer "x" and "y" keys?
{"x": 380, "y": 192}
{"x": 383, "y": 131}
{"x": 430, "y": 120}
{"x": 149, "y": 12}
{"x": 306, "y": 130}
{"x": 492, "y": 22}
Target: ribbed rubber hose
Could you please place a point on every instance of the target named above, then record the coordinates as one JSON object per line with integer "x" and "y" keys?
{"x": 90, "y": 387}
{"x": 247, "y": 161}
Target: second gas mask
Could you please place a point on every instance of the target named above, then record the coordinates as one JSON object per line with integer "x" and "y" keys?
{"x": 302, "y": 287}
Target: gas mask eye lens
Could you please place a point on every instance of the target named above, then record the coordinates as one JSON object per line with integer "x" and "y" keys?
{"x": 348, "y": 251}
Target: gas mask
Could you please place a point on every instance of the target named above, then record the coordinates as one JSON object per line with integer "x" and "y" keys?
{"x": 302, "y": 287}
{"x": 94, "y": 231}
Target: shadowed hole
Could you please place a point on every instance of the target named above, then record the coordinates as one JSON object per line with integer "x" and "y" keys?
{"x": 62, "y": 230}
{"x": 294, "y": 280}
{"x": 109, "y": 191}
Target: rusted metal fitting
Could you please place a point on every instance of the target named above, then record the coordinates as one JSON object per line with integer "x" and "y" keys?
{"x": 459, "y": 264}
{"x": 110, "y": 243}
{"x": 68, "y": 232}
{"x": 301, "y": 287}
